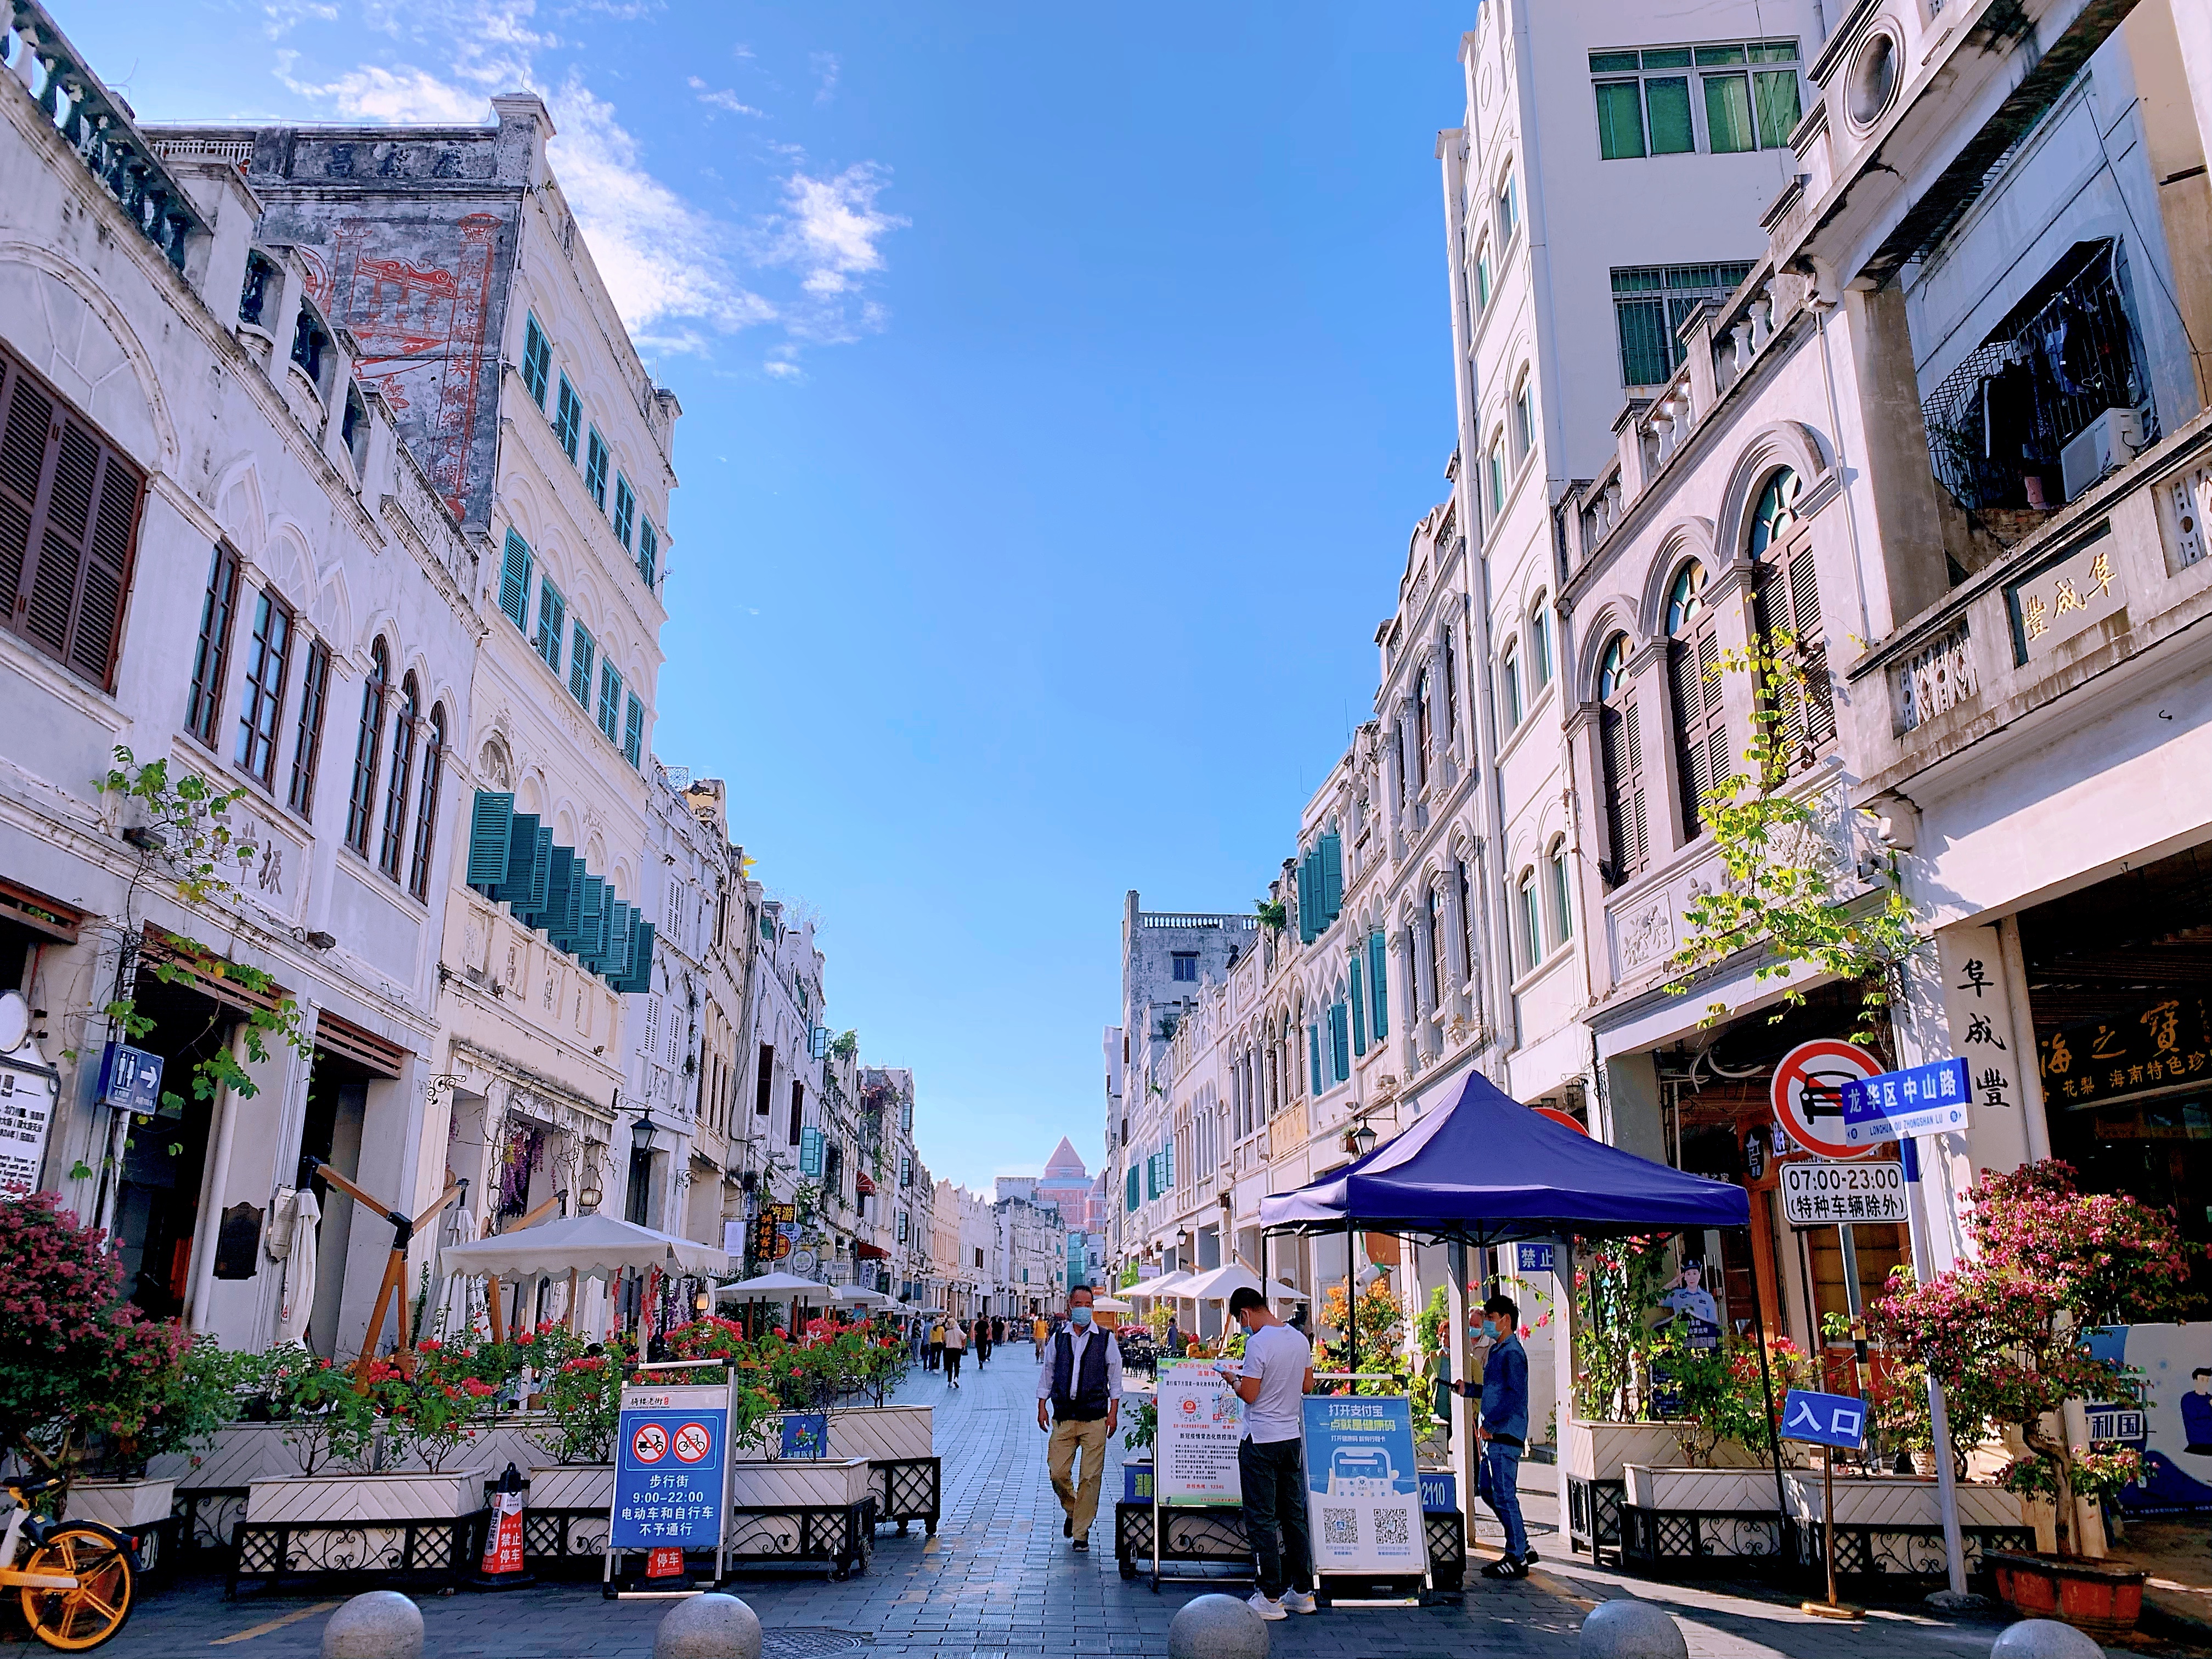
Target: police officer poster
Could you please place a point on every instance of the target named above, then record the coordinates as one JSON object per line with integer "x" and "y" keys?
{"x": 1364, "y": 1492}
{"x": 1202, "y": 1420}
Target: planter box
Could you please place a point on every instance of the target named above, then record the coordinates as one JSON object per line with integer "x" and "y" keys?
{"x": 240, "y": 1455}
{"x": 125, "y": 1505}
{"x": 1896, "y": 1501}
{"x": 2105, "y": 1602}
{"x": 573, "y": 1486}
{"x": 300, "y": 1499}
{"x": 1719, "y": 1491}
{"x": 1599, "y": 1451}
{"x": 882, "y": 1434}
{"x": 797, "y": 1483}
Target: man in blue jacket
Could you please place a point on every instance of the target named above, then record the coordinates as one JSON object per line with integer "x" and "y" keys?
{"x": 1503, "y": 1429}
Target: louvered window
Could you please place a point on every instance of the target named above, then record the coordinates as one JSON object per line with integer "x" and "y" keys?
{"x": 1439, "y": 952}
{"x": 633, "y": 734}
{"x": 610, "y": 698}
{"x": 212, "y": 656}
{"x": 1620, "y": 755}
{"x": 1693, "y": 653}
{"x": 1378, "y": 958}
{"x": 649, "y": 552}
{"x": 569, "y": 419}
{"x": 552, "y": 613}
{"x": 1786, "y": 612}
{"x": 426, "y": 805}
{"x": 581, "y": 654}
{"x": 625, "y": 509}
{"x": 514, "y": 581}
{"x": 536, "y": 361}
{"x": 1358, "y": 1006}
{"x": 267, "y": 654}
{"x": 403, "y": 774}
{"x": 595, "y": 469}
{"x": 307, "y": 746}
{"x": 368, "y": 748}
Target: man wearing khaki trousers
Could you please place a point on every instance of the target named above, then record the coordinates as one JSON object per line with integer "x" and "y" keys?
{"x": 1081, "y": 1384}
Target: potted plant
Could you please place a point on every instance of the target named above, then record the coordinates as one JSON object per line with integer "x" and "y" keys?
{"x": 186, "y": 1406}
{"x": 2007, "y": 1328}
{"x": 582, "y": 1399}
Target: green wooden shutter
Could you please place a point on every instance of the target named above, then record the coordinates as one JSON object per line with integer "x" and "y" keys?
{"x": 1332, "y": 877}
{"x": 637, "y": 975}
{"x": 613, "y": 961}
{"x": 1167, "y": 1163}
{"x": 1313, "y": 1052}
{"x": 1306, "y": 905}
{"x": 489, "y": 819}
{"x": 1339, "y": 1048}
{"x": 513, "y": 884}
{"x": 559, "y": 871}
{"x": 633, "y": 734}
{"x": 1358, "y": 1010}
{"x": 1378, "y": 965}
{"x": 514, "y": 580}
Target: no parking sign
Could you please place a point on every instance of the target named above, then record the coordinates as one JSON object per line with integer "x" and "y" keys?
{"x": 1809, "y": 1094}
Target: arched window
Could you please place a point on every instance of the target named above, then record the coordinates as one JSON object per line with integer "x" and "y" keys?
{"x": 1421, "y": 730}
{"x": 1439, "y": 950}
{"x": 1785, "y": 609}
{"x": 1563, "y": 908}
{"x": 1621, "y": 755}
{"x": 368, "y": 748}
{"x": 426, "y": 805}
{"x": 403, "y": 770}
{"x": 1694, "y": 667}
{"x": 1451, "y": 691}
{"x": 1529, "y": 914}
{"x": 1508, "y": 689}
{"x": 1539, "y": 643}
{"x": 1524, "y": 421}
{"x": 1466, "y": 881}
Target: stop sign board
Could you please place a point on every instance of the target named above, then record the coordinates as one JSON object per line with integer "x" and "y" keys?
{"x": 1808, "y": 1094}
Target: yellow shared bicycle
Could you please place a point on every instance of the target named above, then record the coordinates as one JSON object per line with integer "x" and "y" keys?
{"x": 76, "y": 1577}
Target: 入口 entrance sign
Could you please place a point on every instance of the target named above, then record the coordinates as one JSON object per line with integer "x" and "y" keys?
{"x": 1830, "y": 1194}
{"x": 1920, "y": 1100}
{"x": 1825, "y": 1419}
{"x": 1809, "y": 1094}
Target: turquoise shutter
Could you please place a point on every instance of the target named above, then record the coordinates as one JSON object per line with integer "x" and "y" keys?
{"x": 514, "y": 580}
{"x": 649, "y": 552}
{"x": 1338, "y": 1047}
{"x": 1305, "y": 898}
{"x": 513, "y": 884}
{"x": 1167, "y": 1156}
{"x": 1378, "y": 966}
{"x": 1131, "y": 1202}
{"x": 592, "y": 919}
{"x": 560, "y": 872}
{"x": 1312, "y": 1053}
{"x": 1358, "y": 1010}
{"x": 611, "y": 962}
{"x": 633, "y": 734}
{"x": 638, "y": 975}
{"x": 489, "y": 819}
{"x": 1332, "y": 877}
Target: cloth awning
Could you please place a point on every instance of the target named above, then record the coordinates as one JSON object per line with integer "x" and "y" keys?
{"x": 592, "y": 1246}
{"x": 1222, "y": 1283}
{"x": 776, "y": 1287}
{"x": 1111, "y": 1304}
{"x": 1167, "y": 1285}
{"x": 1486, "y": 1169}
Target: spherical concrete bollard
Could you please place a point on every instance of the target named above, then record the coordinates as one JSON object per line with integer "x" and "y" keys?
{"x": 1216, "y": 1627}
{"x": 708, "y": 1627}
{"x": 1629, "y": 1629}
{"x": 382, "y": 1624}
{"x": 2044, "y": 1639}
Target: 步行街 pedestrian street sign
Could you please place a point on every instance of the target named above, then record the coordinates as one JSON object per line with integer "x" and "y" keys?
{"x": 671, "y": 1476}
{"x": 1201, "y": 1421}
{"x": 1920, "y": 1100}
{"x": 1837, "y": 1421}
{"x": 1364, "y": 1492}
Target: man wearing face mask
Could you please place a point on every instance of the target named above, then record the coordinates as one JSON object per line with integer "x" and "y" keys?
{"x": 1274, "y": 1380}
{"x": 1503, "y": 1429}
{"x": 1080, "y": 1383}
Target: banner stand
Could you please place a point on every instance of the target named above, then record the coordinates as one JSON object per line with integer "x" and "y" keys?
{"x": 666, "y": 1438}
{"x": 1180, "y": 1440}
{"x": 1355, "y": 1445}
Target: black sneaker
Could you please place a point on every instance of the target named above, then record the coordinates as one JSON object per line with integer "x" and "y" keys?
{"x": 1083, "y": 1546}
{"x": 1505, "y": 1567}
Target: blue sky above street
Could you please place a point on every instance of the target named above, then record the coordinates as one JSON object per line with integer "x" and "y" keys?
{"x": 1059, "y": 389}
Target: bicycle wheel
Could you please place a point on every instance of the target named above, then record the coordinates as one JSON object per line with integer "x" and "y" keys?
{"x": 73, "y": 1620}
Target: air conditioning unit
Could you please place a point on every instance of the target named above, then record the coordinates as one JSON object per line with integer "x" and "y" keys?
{"x": 2110, "y": 440}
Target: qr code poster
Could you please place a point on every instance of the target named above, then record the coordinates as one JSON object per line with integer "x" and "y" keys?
{"x": 1364, "y": 1491}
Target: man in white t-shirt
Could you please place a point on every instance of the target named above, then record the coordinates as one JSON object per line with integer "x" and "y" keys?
{"x": 1276, "y": 1377}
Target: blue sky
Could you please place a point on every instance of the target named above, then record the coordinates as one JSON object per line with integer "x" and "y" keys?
{"x": 1059, "y": 389}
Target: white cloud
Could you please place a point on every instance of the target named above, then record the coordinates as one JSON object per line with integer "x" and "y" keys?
{"x": 284, "y": 15}
{"x": 725, "y": 99}
{"x": 832, "y": 231}
{"x": 372, "y": 93}
{"x": 825, "y": 72}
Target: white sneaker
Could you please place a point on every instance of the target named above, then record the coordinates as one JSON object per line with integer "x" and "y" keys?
{"x": 1299, "y": 1602}
{"x": 1265, "y": 1606}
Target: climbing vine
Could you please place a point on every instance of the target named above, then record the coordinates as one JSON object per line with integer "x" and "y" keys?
{"x": 1781, "y": 887}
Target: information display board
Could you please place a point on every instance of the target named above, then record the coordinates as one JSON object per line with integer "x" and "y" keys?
{"x": 1825, "y": 1194}
{"x": 1201, "y": 1421}
{"x": 672, "y": 1468}
{"x": 1363, "y": 1487}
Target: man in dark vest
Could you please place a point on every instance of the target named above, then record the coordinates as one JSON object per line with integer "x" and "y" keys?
{"x": 1080, "y": 1383}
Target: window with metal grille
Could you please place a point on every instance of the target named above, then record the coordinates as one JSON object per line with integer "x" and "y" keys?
{"x": 1620, "y": 755}
{"x": 1650, "y": 302}
{"x": 1693, "y": 663}
{"x": 212, "y": 656}
{"x": 426, "y": 805}
{"x": 68, "y": 528}
{"x": 307, "y": 745}
{"x": 1785, "y": 609}
{"x": 536, "y": 361}
{"x": 569, "y": 419}
{"x": 395, "y": 787}
{"x": 582, "y": 653}
{"x": 368, "y": 748}
{"x": 266, "y": 654}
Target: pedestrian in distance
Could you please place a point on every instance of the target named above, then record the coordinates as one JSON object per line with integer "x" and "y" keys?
{"x": 983, "y": 1342}
{"x": 1503, "y": 1429}
{"x": 1039, "y": 1332}
{"x": 936, "y": 1343}
{"x": 1273, "y": 1382}
{"x": 955, "y": 1344}
{"x": 1080, "y": 1389}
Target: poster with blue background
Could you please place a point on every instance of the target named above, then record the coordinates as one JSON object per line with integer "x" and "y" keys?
{"x": 2169, "y": 1420}
{"x": 1363, "y": 1489}
{"x": 671, "y": 1459}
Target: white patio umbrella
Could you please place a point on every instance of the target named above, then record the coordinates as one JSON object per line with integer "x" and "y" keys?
{"x": 1222, "y": 1283}
{"x": 859, "y": 1296}
{"x": 1112, "y": 1305}
{"x": 775, "y": 1287}
{"x": 300, "y": 1269}
{"x": 590, "y": 1246}
{"x": 1170, "y": 1285}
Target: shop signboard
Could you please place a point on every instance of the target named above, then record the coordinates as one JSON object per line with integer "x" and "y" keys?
{"x": 1919, "y": 1100}
{"x": 1364, "y": 1493}
{"x": 1823, "y": 1194}
{"x": 1809, "y": 1094}
{"x": 1200, "y": 1422}
{"x": 672, "y": 1468}
{"x": 2162, "y": 1042}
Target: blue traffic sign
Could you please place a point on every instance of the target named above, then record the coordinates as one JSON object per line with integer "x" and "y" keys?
{"x": 1534, "y": 1258}
{"x": 1825, "y": 1420}
{"x": 1920, "y": 1100}
{"x": 129, "y": 1079}
{"x": 669, "y": 1463}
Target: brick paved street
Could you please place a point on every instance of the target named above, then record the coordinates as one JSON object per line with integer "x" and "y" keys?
{"x": 998, "y": 1579}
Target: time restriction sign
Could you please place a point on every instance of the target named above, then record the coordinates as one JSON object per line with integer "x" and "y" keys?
{"x": 1809, "y": 1094}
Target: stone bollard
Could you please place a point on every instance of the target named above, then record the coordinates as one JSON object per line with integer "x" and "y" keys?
{"x": 1629, "y": 1629}
{"x": 708, "y": 1627}
{"x": 382, "y": 1624}
{"x": 2044, "y": 1639}
{"x": 1216, "y": 1627}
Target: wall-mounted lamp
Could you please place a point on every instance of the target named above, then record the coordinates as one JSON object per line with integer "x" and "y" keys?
{"x": 642, "y": 1131}
{"x": 1362, "y": 1139}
